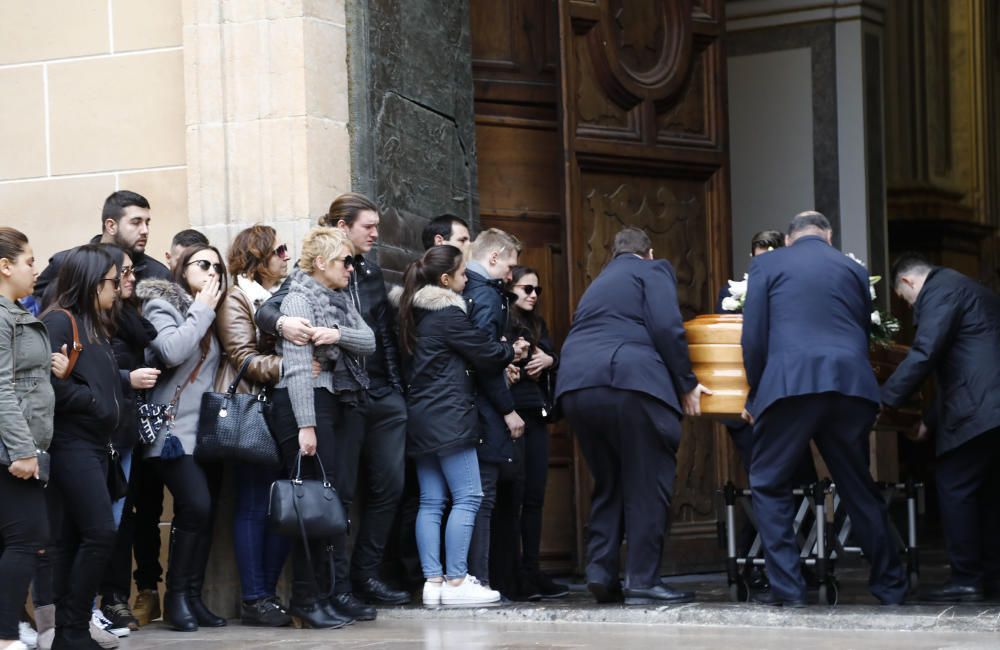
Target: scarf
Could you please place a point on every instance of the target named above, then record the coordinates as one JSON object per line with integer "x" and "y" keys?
{"x": 331, "y": 307}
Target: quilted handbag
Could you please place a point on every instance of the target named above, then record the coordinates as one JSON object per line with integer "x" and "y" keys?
{"x": 233, "y": 426}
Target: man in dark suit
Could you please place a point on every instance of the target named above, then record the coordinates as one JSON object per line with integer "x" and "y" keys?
{"x": 958, "y": 339}
{"x": 623, "y": 377}
{"x": 805, "y": 349}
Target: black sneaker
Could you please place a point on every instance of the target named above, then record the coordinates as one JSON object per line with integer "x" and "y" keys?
{"x": 121, "y": 617}
{"x": 266, "y": 612}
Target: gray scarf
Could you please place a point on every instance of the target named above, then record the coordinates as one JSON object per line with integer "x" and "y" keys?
{"x": 331, "y": 307}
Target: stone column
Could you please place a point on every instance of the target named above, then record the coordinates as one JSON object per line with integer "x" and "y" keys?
{"x": 267, "y": 112}
{"x": 412, "y": 117}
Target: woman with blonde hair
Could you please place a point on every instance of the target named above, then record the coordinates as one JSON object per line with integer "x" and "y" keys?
{"x": 257, "y": 261}
{"x": 309, "y": 410}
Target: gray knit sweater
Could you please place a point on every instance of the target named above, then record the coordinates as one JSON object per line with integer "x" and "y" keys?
{"x": 296, "y": 360}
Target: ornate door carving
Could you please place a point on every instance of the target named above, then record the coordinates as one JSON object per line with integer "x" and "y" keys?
{"x": 644, "y": 138}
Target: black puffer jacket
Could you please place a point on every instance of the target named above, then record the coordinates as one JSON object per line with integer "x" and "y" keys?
{"x": 441, "y": 384}
{"x": 367, "y": 290}
{"x": 531, "y": 393}
{"x": 89, "y": 401}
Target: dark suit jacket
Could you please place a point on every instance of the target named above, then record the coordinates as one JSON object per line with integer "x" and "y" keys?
{"x": 958, "y": 339}
{"x": 628, "y": 334}
{"x": 805, "y": 325}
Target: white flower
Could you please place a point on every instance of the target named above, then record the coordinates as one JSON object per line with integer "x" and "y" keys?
{"x": 738, "y": 289}
{"x": 876, "y": 318}
{"x": 855, "y": 258}
{"x": 730, "y": 304}
{"x": 871, "y": 289}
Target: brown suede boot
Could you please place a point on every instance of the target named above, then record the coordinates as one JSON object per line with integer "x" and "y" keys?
{"x": 147, "y": 606}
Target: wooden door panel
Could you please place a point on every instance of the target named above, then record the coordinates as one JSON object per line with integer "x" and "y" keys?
{"x": 644, "y": 139}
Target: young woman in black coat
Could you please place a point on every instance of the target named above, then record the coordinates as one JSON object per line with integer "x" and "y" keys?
{"x": 443, "y": 349}
{"x": 88, "y": 409}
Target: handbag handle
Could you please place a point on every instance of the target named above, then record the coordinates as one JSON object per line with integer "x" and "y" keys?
{"x": 298, "y": 469}
{"x": 239, "y": 375}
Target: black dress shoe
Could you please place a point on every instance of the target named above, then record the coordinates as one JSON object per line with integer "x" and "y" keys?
{"x": 375, "y": 592}
{"x": 350, "y": 606}
{"x": 604, "y": 594}
{"x": 661, "y": 594}
{"x": 773, "y": 600}
{"x": 952, "y": 593}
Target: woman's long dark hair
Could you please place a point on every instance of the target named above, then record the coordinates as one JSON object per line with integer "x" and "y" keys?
{"x": 525, "y": 323}
{"x": 118, "y": 255}
{"x": 427, "y": 270}
{"x": 80, "y": 278}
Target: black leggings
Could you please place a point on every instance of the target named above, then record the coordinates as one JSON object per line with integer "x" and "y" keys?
{"x": 83, "y": 530}
{"x": 24, "y": 532}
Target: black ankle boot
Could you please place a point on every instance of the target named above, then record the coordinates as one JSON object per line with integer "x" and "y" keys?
{"x": 177, "y": 612}
{"x": 351, "y": 607}
{"x": 315, "y": 615}
{"x": 202, "y": 613}
{"x": 307, "y": 608}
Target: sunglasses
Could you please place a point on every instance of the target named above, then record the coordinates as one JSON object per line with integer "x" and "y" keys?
{"x": 348, "y": 260}
{"x": 117, "y": 282}
{"x": 530, "y": 289}
{"x": 127, "y": 271}
{"x": 205, "y": 265}
{"x": 281, "y": 251}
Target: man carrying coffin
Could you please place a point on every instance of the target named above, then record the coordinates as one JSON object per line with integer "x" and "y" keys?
{"x": 805, "y": 349}
{"x": 958, "y": 339}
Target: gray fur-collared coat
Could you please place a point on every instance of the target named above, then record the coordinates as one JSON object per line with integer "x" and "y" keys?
{"x": 181, "y": 323}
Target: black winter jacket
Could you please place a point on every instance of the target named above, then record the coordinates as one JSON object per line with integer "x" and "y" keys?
{"x": 89, "y": 401}
{"x": 958, "y": 340}
{"x": 440, "y": 378}
{"x": 367, "y": 289}
{"x": 529, "y": 393}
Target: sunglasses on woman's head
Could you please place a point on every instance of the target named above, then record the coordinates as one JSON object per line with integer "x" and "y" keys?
{"x": 205, "y": 265}
{"x": 529, "y": 289}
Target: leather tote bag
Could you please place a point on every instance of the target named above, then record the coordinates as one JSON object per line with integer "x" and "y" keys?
{"x": 307, "y": 507}
{"x": 233, "y": 426}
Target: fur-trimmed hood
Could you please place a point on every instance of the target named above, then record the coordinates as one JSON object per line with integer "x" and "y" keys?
{"x": 165, "y": 290}
{"x": 434, "y": 298}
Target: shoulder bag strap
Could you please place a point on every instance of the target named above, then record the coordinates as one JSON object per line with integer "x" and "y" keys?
{"x": 74, "y": 353}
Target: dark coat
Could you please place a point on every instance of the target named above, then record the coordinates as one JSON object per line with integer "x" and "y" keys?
{"x": 805, "y": 325}
{"x": 489, "y": 310}
{"x": 628, "y": 334}
{"x": 440, "y": 378}
{"x": 143, "y": 266}
{"x": 529, "y": 393}
{"x": 367, "y": 289}
{"x": 133, "y": 334}
{"x": 958, "y": 339}
{"x": 89, "y": 401}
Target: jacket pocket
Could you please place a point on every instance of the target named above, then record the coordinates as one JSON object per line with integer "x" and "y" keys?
{"x": 958, "y": 406}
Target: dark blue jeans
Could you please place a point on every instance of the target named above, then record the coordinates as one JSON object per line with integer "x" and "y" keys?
{"x": 260, "y": 553}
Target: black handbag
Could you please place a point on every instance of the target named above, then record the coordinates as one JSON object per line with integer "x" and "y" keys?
{"x": 233, "y": 426}
{"x": 309, "y": 507}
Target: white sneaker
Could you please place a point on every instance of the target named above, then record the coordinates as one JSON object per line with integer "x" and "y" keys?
{"x": 18, "y": 645}
{"x": 27, "y": 635}
{"x": 432, "y": 593}
{"x": 102, "y": 637}
{"x": 100, "y": 620}
{"x": 470, "y": 592}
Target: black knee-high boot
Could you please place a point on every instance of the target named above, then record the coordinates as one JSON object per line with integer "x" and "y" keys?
{"x": 202, "y": 613}
{"x": 181, "y": 561}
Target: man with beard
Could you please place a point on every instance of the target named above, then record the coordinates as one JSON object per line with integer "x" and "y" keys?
{"x": 124, "y": 223}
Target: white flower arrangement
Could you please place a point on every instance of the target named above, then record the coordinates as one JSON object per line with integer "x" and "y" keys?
{"x": 737, "y": 295}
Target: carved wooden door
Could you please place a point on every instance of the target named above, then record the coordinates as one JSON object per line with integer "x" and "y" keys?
{"x": 644, "y": 137}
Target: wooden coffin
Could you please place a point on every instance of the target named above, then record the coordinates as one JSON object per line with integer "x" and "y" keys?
{"x": 717, "y": 361}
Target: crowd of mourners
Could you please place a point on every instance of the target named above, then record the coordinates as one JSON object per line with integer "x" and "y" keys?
{"x": 428, "y": 404}
{"x": 426, "y": 407}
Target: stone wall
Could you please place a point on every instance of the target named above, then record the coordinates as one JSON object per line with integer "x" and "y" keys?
{"x": 93, "y": 101}
{"x": 411, "y": 117}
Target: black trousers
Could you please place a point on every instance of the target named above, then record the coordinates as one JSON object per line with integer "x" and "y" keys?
{"x": 968, "y": 483}
{"x": 146, "y": 492}
{"x": 482, "y": 536}
{"x": 24, "y": 535}
{"x": 117, "y": 581}
{"x": 840, "y": 426}
{"x": 629, "y": 441}
{"x": 194, "y": 489}
{"x": 330, "y": 417}
{"x": 83, "y": 530}
{"x": 373, "y": 450}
